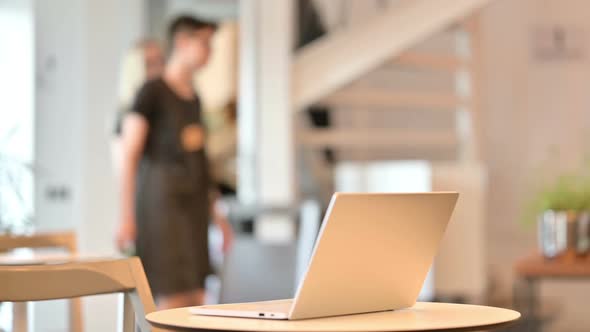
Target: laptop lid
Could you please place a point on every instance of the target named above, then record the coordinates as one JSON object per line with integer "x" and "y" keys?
{"x": 373, "y": 253}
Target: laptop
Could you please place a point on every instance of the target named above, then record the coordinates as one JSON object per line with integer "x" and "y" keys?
{"x": 372, "y": 254}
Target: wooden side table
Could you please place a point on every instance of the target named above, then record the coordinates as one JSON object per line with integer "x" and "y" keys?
{"x": 532, "y": 269}
{"x": 423, "y": 316}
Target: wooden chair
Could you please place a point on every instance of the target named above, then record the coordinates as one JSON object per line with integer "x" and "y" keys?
{"x": 62, "y": 240}
{"x": 76, "y": 279}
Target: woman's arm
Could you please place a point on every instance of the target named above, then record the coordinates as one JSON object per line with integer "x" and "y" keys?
{"x": 135, "y": 130}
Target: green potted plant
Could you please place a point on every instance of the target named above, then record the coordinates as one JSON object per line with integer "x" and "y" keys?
{"x": 15, "y": 210}
{"x": 561, "y": 211}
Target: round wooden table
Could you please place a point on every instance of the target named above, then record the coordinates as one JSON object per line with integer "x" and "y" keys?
{"x": 424, "y": 316}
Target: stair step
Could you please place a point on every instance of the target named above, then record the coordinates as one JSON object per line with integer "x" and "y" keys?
{"x": 399, "y": 78}
{"x": 431, "y": 61}
{"x": 402, "y": 153}
{"x": 368, "y": 98}
{"x": 377, "y": 138}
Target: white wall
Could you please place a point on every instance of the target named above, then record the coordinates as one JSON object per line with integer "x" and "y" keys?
{"x": 59, "y": 101}
{"x": 212, "y": 9}
{"x": 536, "y": 122}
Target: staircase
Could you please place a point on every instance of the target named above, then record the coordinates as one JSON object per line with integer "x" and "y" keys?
{"x": 346, "y": 54}
{"x": 398, "y": 87}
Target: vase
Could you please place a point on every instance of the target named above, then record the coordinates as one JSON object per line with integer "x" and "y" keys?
{"x": 583, "y": 234}
{"x": 563, "y": 231}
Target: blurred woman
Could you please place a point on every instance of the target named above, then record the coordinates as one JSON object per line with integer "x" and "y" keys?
{"x": 144, "y": 62}
{"x": 167, "y": 194}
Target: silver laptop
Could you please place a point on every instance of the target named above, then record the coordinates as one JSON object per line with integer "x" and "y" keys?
{"x": 372, "y": 254}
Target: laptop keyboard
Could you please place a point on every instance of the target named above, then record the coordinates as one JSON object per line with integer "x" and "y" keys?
{"x": 270, "y": 306}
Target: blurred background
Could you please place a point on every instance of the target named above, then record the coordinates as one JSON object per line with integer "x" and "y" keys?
{"x": 485, "y": 97}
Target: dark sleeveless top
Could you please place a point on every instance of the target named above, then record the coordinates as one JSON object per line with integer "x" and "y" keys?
{"x": 172, "y": 194}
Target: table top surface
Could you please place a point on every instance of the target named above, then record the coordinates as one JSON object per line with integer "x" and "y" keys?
{"x": 569, "y": 265}
{"x": 423, "y": 316}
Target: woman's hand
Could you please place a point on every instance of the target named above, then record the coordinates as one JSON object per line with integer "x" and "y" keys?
{"x": 220, "y": 219}
{"x": 227, "y": 232}
{"x": 126, "y": 234}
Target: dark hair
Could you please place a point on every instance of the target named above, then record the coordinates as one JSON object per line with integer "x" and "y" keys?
{"x": 186, "y": 23}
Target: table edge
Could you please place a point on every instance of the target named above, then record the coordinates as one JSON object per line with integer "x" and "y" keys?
{"x": 459, "y": 329}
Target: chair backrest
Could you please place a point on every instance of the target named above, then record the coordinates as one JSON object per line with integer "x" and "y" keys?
{"x": 64, "y": 240}
{"x": 69, "y": 280}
